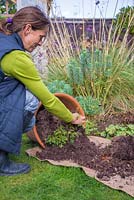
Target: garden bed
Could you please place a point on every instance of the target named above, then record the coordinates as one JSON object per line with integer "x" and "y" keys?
{"x": 115, "y": 159}
{"x": 108, "y": 161}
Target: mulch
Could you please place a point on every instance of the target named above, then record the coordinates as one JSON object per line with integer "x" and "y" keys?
{"x": 115, "y": 159}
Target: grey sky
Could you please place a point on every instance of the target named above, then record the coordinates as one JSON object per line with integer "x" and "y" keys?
{"x": 88, "y": 8}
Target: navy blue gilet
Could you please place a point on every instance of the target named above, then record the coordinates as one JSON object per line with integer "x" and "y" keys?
{"x": 12, "y": 100}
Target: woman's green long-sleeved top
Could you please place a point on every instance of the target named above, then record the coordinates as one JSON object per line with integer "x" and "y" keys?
{"x": 19, "y": 65}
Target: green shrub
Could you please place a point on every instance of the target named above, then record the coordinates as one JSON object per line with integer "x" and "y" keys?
{"x": 90, "y": 105}
{"x": 91, "y": 127}
{"x": 118, "y": 130}
{"x": 61, "y": 136}
{"x": 60, "y": 86}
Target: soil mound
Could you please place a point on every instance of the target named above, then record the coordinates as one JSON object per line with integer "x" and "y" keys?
{"x": 117, "y": 158}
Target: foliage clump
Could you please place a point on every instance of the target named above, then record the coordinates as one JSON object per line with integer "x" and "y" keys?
{"x": 61, "y": 136}
{"x": 90, "y": 106}
{"x": 118, "y": 130}
{"x": 60, "y": 86}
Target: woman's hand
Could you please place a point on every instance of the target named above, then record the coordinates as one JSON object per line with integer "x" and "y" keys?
{"x": 78, "y": 119}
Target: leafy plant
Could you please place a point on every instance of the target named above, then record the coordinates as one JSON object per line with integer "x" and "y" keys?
{"x": 88, "y": 73}
{"x": 60, "y": 86}
{"x": 90, "y": 127}
{"x": 61, "y": 136}
{"x": 118, "y": 130}
{"x": 90, "y": 105}
{"x": 74, "y": 73}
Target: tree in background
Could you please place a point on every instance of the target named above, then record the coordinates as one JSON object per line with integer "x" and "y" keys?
{"x": 10, "y": 6}
{"x": 7, "y": 6}
{"x": 123, "y": 19}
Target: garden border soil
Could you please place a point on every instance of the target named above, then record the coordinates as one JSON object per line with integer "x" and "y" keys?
{"x": 115, "y": 182}
{"x": 123, "y": 180}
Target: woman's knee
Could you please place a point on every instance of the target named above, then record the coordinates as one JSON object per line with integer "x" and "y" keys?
{"x": 31, "y": 102}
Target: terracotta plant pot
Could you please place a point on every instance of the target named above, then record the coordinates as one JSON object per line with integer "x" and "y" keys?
{"x": 70, "y": 102}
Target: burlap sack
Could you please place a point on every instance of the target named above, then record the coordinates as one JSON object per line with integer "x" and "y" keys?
{"x": 115, "y": 182}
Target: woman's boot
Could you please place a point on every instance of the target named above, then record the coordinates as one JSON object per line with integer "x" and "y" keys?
{"x": 10, "y": 168}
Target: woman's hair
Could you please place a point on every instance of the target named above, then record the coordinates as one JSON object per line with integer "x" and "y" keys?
{"x": 27, "y": 15}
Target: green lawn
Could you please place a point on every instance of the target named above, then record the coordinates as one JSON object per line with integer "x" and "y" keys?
{"x": 48, "y": 182}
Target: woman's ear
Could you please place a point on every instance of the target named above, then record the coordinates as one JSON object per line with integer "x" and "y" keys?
{"x": 27, "y": 29}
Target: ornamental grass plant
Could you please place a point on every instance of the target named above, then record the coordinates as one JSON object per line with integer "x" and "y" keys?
{"x": 100, "y": 66}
